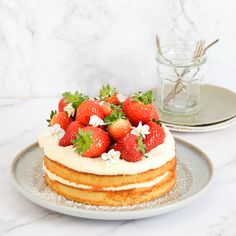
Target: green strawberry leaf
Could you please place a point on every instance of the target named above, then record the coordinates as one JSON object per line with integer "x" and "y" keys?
{"x": 141, "y": 146}
{"x": 145, "y": 98}
{"x": 51, "y": 116}
{"x": 76, "y": 99}
{"x": 116, "y": 114}
{"x": 106, "y": 91}
{"x": 83, "y": 141}
{"x": 157, "y": 122}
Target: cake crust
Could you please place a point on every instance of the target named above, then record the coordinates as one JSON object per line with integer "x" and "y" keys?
{"x": 114, "y": 198}
{"x": 98, "y": 182}
{"x": 100, "y": 197}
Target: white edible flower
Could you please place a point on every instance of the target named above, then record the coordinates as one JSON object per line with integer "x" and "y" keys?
{"x": 121, "y": 97}
{"x": 69, "y": 109}
{"x": 111, "y": 156}
{"x": 140, "y": 130}
{"x": 95, "y": 121}
{"x": 55, "y": 132}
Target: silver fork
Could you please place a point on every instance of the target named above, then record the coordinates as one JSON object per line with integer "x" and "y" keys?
{"x": 198, "y": 52}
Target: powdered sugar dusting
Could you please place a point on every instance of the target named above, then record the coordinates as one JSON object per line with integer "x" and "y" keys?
{"x": 39, "y": 188}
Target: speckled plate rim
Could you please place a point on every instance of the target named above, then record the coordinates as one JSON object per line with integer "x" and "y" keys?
{"x": 112, "y": 215}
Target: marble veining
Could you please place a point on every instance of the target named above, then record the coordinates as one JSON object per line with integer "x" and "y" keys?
{"x": 47, "y": 216}
{"x": 78, "y": 44}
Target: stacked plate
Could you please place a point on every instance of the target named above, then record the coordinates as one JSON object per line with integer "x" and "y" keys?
{"x": 218, "y": 111}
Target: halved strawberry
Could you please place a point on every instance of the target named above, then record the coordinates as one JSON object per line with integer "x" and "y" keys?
{"x": 70, "y": 134}
{"x": 109, "y": 95}
{"x": 118, "y": 125}
{"x": 60, "y": 118}
{"x": 131, "y": 148}
{"x": 91, "y": 141}
{"x": 86, "y": 109}
{"x": 139, "y": 108}
{"x": 156, "y": 136}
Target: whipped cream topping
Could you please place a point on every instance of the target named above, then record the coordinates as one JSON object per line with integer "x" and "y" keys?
{"x": 148, "y": 184}
{"x": 66, "y": 156}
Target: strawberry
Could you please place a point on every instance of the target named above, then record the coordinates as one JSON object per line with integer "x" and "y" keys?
{"x": 91, "y": 141}
{"x": 131, "y": 148}
{"x": 156, "y": 136}
{"x": 60, "y": 118}
{"x": 106, "y": 108}
{"x": 139, "y": 108}
{"x": 87, "y": 109}
{"x": 119, "y": 128}
{"x": 62, "y": 104}
{"x": 118, "y": 125}
{"x": 113, "y": 99}
{"x": 70, "y": 134}
{"x": 109, "y": 95}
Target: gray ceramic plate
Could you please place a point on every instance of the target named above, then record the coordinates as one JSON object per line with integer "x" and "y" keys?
{"x": 203, "y": 128}
{"x": 217, "y": 105}
{"x": 194, "y": 173}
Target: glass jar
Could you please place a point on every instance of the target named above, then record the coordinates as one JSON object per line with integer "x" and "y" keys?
{"x": 180, "y": 78}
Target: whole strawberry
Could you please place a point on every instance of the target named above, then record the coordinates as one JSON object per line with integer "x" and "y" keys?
{"x": 70, "y": 134}
{"x": 86, "y": 109}
{"x": 155, "y": 137}
{"x": 106, "y": 108}
{"x": 118, "y": 125}
{"x": 60, "y": 118}
{"x": 62, "y": 104}
{"x": 109, "y": 95}
{"x": 91, "y": 141}
{"x": 139, "y": 108}
{"x": 131, "y": 148}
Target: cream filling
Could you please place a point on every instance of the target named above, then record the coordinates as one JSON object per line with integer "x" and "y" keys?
{"x": 124, "y": 187}
{"x": 66, "y": 156}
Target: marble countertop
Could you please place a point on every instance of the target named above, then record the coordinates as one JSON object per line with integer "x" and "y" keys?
{"x": 212, "y": 214}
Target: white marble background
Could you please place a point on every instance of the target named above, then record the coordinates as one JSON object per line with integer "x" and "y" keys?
{"x": 48, "y": 46}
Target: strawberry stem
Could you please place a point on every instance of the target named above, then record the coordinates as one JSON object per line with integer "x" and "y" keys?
{"x": 83, "y": 141}
{"x": 116, "y": 114}
{"x": 51, "y": 116}
{"x": 157, "y": 122}
{"x": 106, "y": 91}
{"x": 141, "y": 146}
{"x": 76, "y": 99}
{"x": 145, "y": 98}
